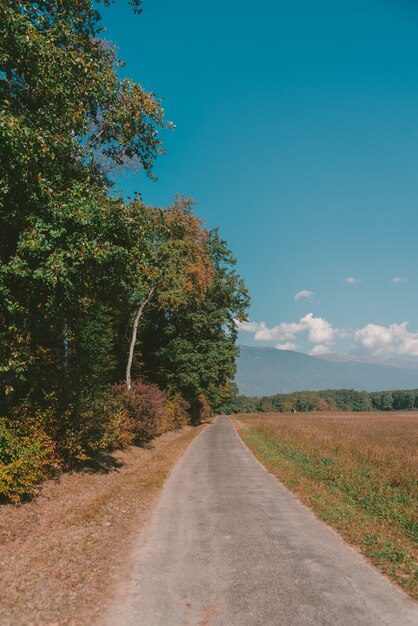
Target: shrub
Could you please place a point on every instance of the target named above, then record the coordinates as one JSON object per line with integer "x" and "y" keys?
{"x": 144, "y": 406}
{"x": 43, "y": 437}
{"x": 96, "y": 423}
{"x": 26, "y": 458}
{"x": 176, "y": 413}
{"x": 109, "y": 410}
{"x": 205, "y": 408}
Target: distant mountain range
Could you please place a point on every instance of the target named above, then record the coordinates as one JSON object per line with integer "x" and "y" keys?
{"x": 266, "y": 371}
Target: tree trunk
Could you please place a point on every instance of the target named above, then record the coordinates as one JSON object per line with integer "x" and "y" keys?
{"x": 133, "y": 338}
{"x": 65, "y": 345}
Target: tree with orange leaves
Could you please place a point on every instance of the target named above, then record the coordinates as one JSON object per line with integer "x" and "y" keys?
{"x": 192, "y": 348}
{"x": 169, "y": 262}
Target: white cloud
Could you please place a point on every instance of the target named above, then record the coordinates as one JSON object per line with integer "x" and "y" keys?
{"x": 375, "y": 339}
{"x": 398, "y": 279}
{"x": 392, "y": 339}
{"x": 319, "y": 349}
{"x": 319, "y": 330}
{"x": 305, "y": 293}
{"x": 352, "y": 281}
{"x": 249, "y": 327}
{"x": 286, "y": 346}
{"x": 281, "y": 332}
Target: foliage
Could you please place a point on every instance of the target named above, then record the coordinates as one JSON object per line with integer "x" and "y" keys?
{"x": 204, "y": 408}
{"x": 66, "y": 120}
{"x": 328, "y": 400}
{"x": 79, "y": 428}
{"x": 169, "y": 263}
{"x": 144, "y": 406}
{"x": 81, "y": 269}
{"x": 25, "y": 460}
{"x": 192, "y": 348}
{"x": 176, "y": 413}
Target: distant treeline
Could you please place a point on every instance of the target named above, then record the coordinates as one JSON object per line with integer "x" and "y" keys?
{"x": 327, "y": 400}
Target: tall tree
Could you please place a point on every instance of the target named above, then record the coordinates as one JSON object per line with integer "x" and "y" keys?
{"x": 193, "y": 348}
{"x": 169, "y": 263}
{"x": 66, "y": 120}
{"x": 81, "y": 270}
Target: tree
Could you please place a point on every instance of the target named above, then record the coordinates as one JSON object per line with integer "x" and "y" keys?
{"x": 244, "y": 404}
{"x": 66, "y": 120}
{"x": 265, "y": 405}
{"x": 277, "y": 402}
{"x": 382, "y": 400}
{"x": 403, "y": 400}
{"x": 82, "y": 272}
{"x": 192, "y": 348}
{"x": 169, "y": 263}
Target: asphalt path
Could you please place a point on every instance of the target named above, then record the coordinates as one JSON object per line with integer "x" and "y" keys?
{"x": 230, "y": 546}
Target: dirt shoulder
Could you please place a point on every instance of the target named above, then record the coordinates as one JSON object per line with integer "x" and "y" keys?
{"x": 63, "y": 555}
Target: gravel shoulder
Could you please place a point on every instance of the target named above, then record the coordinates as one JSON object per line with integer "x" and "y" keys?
{"x": 63, "y": 554}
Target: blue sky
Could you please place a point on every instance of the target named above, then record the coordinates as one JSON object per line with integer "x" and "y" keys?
{"x": 297, "y": 134}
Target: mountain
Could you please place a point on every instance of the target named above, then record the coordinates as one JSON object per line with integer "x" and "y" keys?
{"x": 266, "y": 371}
{"x": 401, "y": 362}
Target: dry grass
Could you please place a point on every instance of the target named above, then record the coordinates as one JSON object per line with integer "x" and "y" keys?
{"x": 357, "y": 471}
{"x": 63, "y": 554}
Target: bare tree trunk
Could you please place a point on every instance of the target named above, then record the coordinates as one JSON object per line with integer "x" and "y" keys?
{"x": 133, "y": 338}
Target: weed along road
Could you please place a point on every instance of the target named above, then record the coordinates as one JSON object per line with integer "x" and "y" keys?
{"x": 230, "y": 546}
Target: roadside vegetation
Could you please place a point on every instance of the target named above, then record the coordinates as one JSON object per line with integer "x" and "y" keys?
{"x": 117, "y": 319}
{"x": 357, "y": 471}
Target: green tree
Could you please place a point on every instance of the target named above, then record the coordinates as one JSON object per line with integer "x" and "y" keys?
{"x": 403, "y": 400}
{"x": 193, "y": 348}
{"x": 169, "y": 264}
{"x": 66, "y": 121}
{"x": 81, "y": 270}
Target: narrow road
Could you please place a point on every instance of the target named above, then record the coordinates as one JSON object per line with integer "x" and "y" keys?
{"x": 230, "y": 546}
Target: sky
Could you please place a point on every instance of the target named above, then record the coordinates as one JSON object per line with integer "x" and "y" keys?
{"x": 296, "y": 134}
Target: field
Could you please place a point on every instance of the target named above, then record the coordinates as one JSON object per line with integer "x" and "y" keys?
{"x": 357, "y": 471}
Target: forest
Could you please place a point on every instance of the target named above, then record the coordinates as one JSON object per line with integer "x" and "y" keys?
{"x": 327, "y": 400}
{"x": 117, "y": 318}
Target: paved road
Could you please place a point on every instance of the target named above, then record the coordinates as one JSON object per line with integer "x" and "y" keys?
{"x": 230, "y": 546}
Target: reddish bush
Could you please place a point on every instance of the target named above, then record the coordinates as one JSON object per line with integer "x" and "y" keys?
{"x": 145, "y": 406}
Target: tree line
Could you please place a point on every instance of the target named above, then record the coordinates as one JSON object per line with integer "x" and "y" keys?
{"x": 117, "y": 318}
{"x": 327, "y": 400}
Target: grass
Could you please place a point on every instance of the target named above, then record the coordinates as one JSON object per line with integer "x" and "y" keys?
{"x": 357, "y": 471}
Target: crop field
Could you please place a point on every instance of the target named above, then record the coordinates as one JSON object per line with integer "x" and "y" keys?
{"x": 356, "y": 471}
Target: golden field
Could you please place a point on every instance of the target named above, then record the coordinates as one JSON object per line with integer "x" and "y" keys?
{"x": 357, "y": 471}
